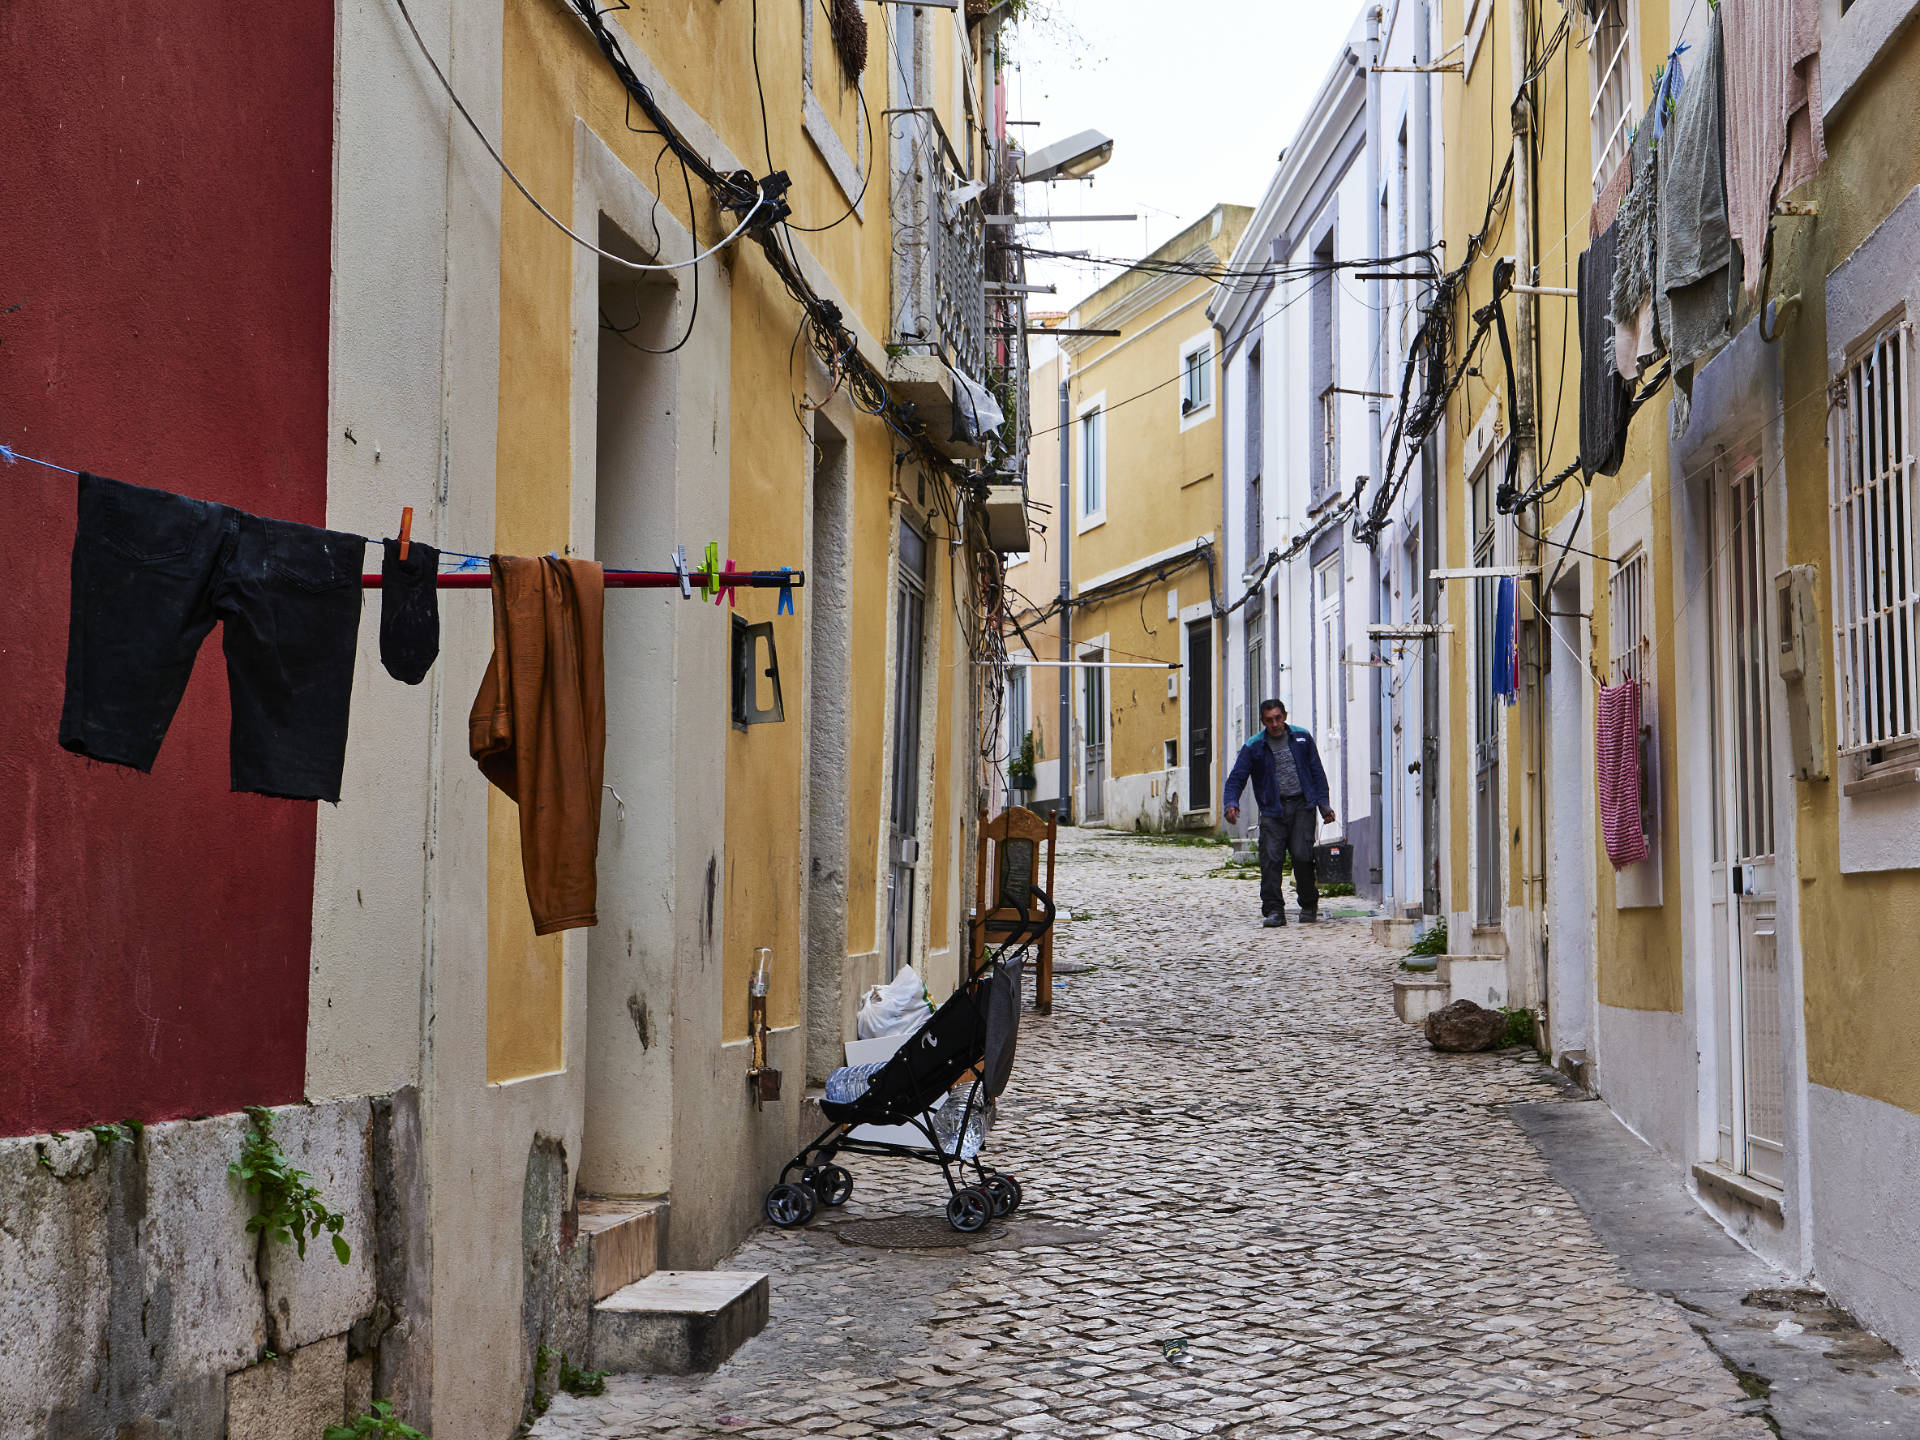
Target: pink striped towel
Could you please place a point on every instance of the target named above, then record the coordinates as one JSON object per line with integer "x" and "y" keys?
{"x": 1616, "y": 748}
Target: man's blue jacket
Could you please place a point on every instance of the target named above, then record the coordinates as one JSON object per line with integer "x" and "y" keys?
{"x": 1255, "y": 762}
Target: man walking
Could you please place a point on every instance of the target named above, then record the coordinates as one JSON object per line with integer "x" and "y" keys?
{"x": 1289, "y": 785}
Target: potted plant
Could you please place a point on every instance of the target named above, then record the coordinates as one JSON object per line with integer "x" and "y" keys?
{"x": 1020, "y": 771}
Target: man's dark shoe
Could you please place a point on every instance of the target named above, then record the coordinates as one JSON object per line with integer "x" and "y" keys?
{"x": 1274, "y": 921}
{"x": 1309, "y": 917}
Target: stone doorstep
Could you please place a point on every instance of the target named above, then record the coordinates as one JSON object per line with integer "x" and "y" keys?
{"x": 1395, "y": 934}
{"x": 679, "y": 1322}
{"x": 1415, "y": 997}
{"x": 624, "y": 1239}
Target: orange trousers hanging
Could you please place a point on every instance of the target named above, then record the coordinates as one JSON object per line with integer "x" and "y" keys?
{"x": 539, "y": 727}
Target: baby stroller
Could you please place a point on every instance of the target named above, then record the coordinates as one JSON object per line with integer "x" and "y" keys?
{"x": 974, "y": 1030}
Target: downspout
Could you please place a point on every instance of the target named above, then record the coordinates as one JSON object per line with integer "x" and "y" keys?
{"x": 1063, "y": 523}
{"x": 1376, "y": 366}
{"x": 1222, "y": 568}
{"x": 1525, "y": 407}
{"x": 1421, "y": 168}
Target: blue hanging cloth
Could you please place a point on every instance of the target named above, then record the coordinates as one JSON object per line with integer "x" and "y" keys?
{"x": 1505, "y": 676}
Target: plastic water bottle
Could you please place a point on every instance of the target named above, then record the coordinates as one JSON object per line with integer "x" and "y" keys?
{"x": 946, "y": 1125}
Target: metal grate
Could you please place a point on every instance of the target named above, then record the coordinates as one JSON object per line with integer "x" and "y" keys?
{"x": 959, "y": 280}
{"x": 1611, "y": 68}
{"x": 1760, "y": 1006}
{"x": 1876, "y": 583}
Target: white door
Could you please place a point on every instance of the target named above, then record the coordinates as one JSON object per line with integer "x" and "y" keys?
{"x": 1746, "y": 940}
{"x": 1329, "y": 679}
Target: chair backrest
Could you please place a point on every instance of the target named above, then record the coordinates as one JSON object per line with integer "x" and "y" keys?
{"x": 1017, "y": 836}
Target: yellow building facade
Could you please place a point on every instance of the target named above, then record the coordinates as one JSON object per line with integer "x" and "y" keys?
{"x": 1739, "y": 996}
{"x": 1141, "y": 516}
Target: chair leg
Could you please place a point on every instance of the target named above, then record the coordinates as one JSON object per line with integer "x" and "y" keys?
{"x": 1043, "y": 978}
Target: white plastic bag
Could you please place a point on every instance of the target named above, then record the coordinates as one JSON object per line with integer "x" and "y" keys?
{"x": 898, "y": 1007}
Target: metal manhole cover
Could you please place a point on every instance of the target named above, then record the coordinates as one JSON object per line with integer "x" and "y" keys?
{"x": 932, "y": 1232}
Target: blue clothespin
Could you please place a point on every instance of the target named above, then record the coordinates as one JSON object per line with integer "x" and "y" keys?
{"x": 6, "y": 454}
{"x": 786, "y": 593}
{"x": 680, "y": 569}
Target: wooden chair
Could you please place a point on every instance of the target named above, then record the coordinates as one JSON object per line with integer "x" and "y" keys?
{"x": 1016, "y": 836}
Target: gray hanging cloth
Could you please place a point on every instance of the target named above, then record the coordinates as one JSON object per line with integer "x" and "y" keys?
{"x": 1699, "y": 266}
{"x": 1604, "y": 396}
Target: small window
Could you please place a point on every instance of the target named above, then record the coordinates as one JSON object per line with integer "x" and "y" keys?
{"x": 1172, "y": 749}
{"x": 1093, "y": 465}
{"x": 1876, "y": 550}
{"x": 1630, "y": 624}
{"x": 1196, "y": 378}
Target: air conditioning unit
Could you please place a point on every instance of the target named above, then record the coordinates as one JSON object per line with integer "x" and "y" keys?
{"x": 1006, "y": 512}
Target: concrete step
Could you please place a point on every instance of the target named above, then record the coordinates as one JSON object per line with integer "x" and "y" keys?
{"x": 1395, "y": 934}
{"x": 625, "y": 1238}
{"x": 1479, "y": 978}
{"x": 679, "y": 1322}
{"x": 1416, "y": 996}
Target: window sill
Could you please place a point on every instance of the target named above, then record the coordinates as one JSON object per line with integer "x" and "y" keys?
{"x": 1878, "y": 780}
{"x": 1741, "y": 1189}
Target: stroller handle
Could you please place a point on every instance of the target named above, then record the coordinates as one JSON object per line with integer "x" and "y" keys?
{"x": 1028, "y": 931}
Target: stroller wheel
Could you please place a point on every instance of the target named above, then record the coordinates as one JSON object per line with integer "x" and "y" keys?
{"x": 789, "y": 1205}
{"x": 970, "y": 1209}
{"x": 833, "y": 1184}
{"x": 1006, "y": 1193}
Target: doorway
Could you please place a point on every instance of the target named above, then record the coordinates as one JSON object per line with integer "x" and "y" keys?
{"x": 1199, "y": 714}
{"x": 626, "y": 1141}
{"x": 1487, "y": 849}
{"x": 1746, "y": 952}
{"x": 903, "y": 829}
{"x": 1571, "y": 975}
{"x": 1093, "y": 806}
{"x": 1330, "y": 682}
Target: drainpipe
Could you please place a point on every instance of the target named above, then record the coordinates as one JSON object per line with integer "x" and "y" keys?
{"x": 1382, "y": 820}
{"x": 1063, "y": 525}
{"x": 1216, "y": 579}
{"x": 1421, "y": 168}
{"x": 1525, "y": 407}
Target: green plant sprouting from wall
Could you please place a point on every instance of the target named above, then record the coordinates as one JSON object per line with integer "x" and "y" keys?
{"x": 291, "y": 1209}
{"x": 570, "y": 1379}
{"x": 378, "y": 1424}
{"x": 1433, "y": 940}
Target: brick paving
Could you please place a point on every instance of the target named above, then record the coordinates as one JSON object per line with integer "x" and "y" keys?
{"x": 1226, "y": 1138}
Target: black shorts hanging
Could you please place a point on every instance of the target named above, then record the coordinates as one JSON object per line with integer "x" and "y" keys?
{"x": 409, "y": 611}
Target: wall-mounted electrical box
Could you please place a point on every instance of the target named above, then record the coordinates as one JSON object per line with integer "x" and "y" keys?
{"x": 1797, "y": 623}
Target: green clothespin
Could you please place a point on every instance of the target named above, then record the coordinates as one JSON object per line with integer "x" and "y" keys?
{"x": 710, "y": 576}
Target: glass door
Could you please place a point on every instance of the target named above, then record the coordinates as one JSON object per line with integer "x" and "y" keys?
{"x": 1094, "y": 692}
{"x": 903, "y": 827}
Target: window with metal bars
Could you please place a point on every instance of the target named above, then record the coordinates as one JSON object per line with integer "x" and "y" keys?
{"x": 1876, "y": 582}
{"x": 1611, "y": 72}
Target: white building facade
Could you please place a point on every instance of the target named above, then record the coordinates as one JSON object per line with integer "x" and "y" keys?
{"x": 1317, "y": 316}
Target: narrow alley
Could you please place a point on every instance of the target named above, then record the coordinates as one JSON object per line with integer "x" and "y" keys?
{"x": 1227, "y": 1139}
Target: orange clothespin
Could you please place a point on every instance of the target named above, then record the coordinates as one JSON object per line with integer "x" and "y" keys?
{"x": 726, "y": 588}
{"x": 406, "y": 530}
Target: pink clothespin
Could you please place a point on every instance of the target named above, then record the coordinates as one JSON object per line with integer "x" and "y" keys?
{"x": 726, "y": 588}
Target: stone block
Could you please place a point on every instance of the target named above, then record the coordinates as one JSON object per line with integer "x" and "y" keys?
{"x": 359, "y": 1399}
{"x": 624, "y": 1238}
{"x": 1479, "y": 978}
{"x": 294, "y": 1397}
{"x": 198, "y": 1254}
{"x": 1394, "y": 934}
{"x": 53, "y": 1284}
{"x": 679, "y": 1322}
{"x": 1415, "y": 997}
{"x": 318, "y": 1296}
{"x": 1463, "y": 1027}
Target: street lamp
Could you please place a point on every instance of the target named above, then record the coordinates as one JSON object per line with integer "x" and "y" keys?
{"x": 1074, "y": 158}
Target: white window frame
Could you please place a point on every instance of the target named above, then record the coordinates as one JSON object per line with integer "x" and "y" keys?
{"x": 1087, "y": 518}
{"x": 846, "y": 168}
{"x": 1613, "y": 76}
{"x": 1876, "y": 607}
{"x": 1209, "y": 375}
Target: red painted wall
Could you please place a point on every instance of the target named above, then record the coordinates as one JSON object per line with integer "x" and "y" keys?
{"x": 164, "y": 264}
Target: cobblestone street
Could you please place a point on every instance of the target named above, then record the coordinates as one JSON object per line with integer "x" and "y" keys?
{"x": 1227, "y": 1139}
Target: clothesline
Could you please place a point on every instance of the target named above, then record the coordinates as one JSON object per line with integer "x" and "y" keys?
{"x": 684, "y": 580}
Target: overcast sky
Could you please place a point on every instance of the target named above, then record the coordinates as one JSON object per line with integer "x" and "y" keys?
{"x": 1198, "y": 95}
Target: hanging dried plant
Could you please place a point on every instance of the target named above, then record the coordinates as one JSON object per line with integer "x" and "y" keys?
{"x": 850, "y": 36}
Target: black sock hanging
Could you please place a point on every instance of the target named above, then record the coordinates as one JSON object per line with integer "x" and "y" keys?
{"x": 409, "y": 611}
